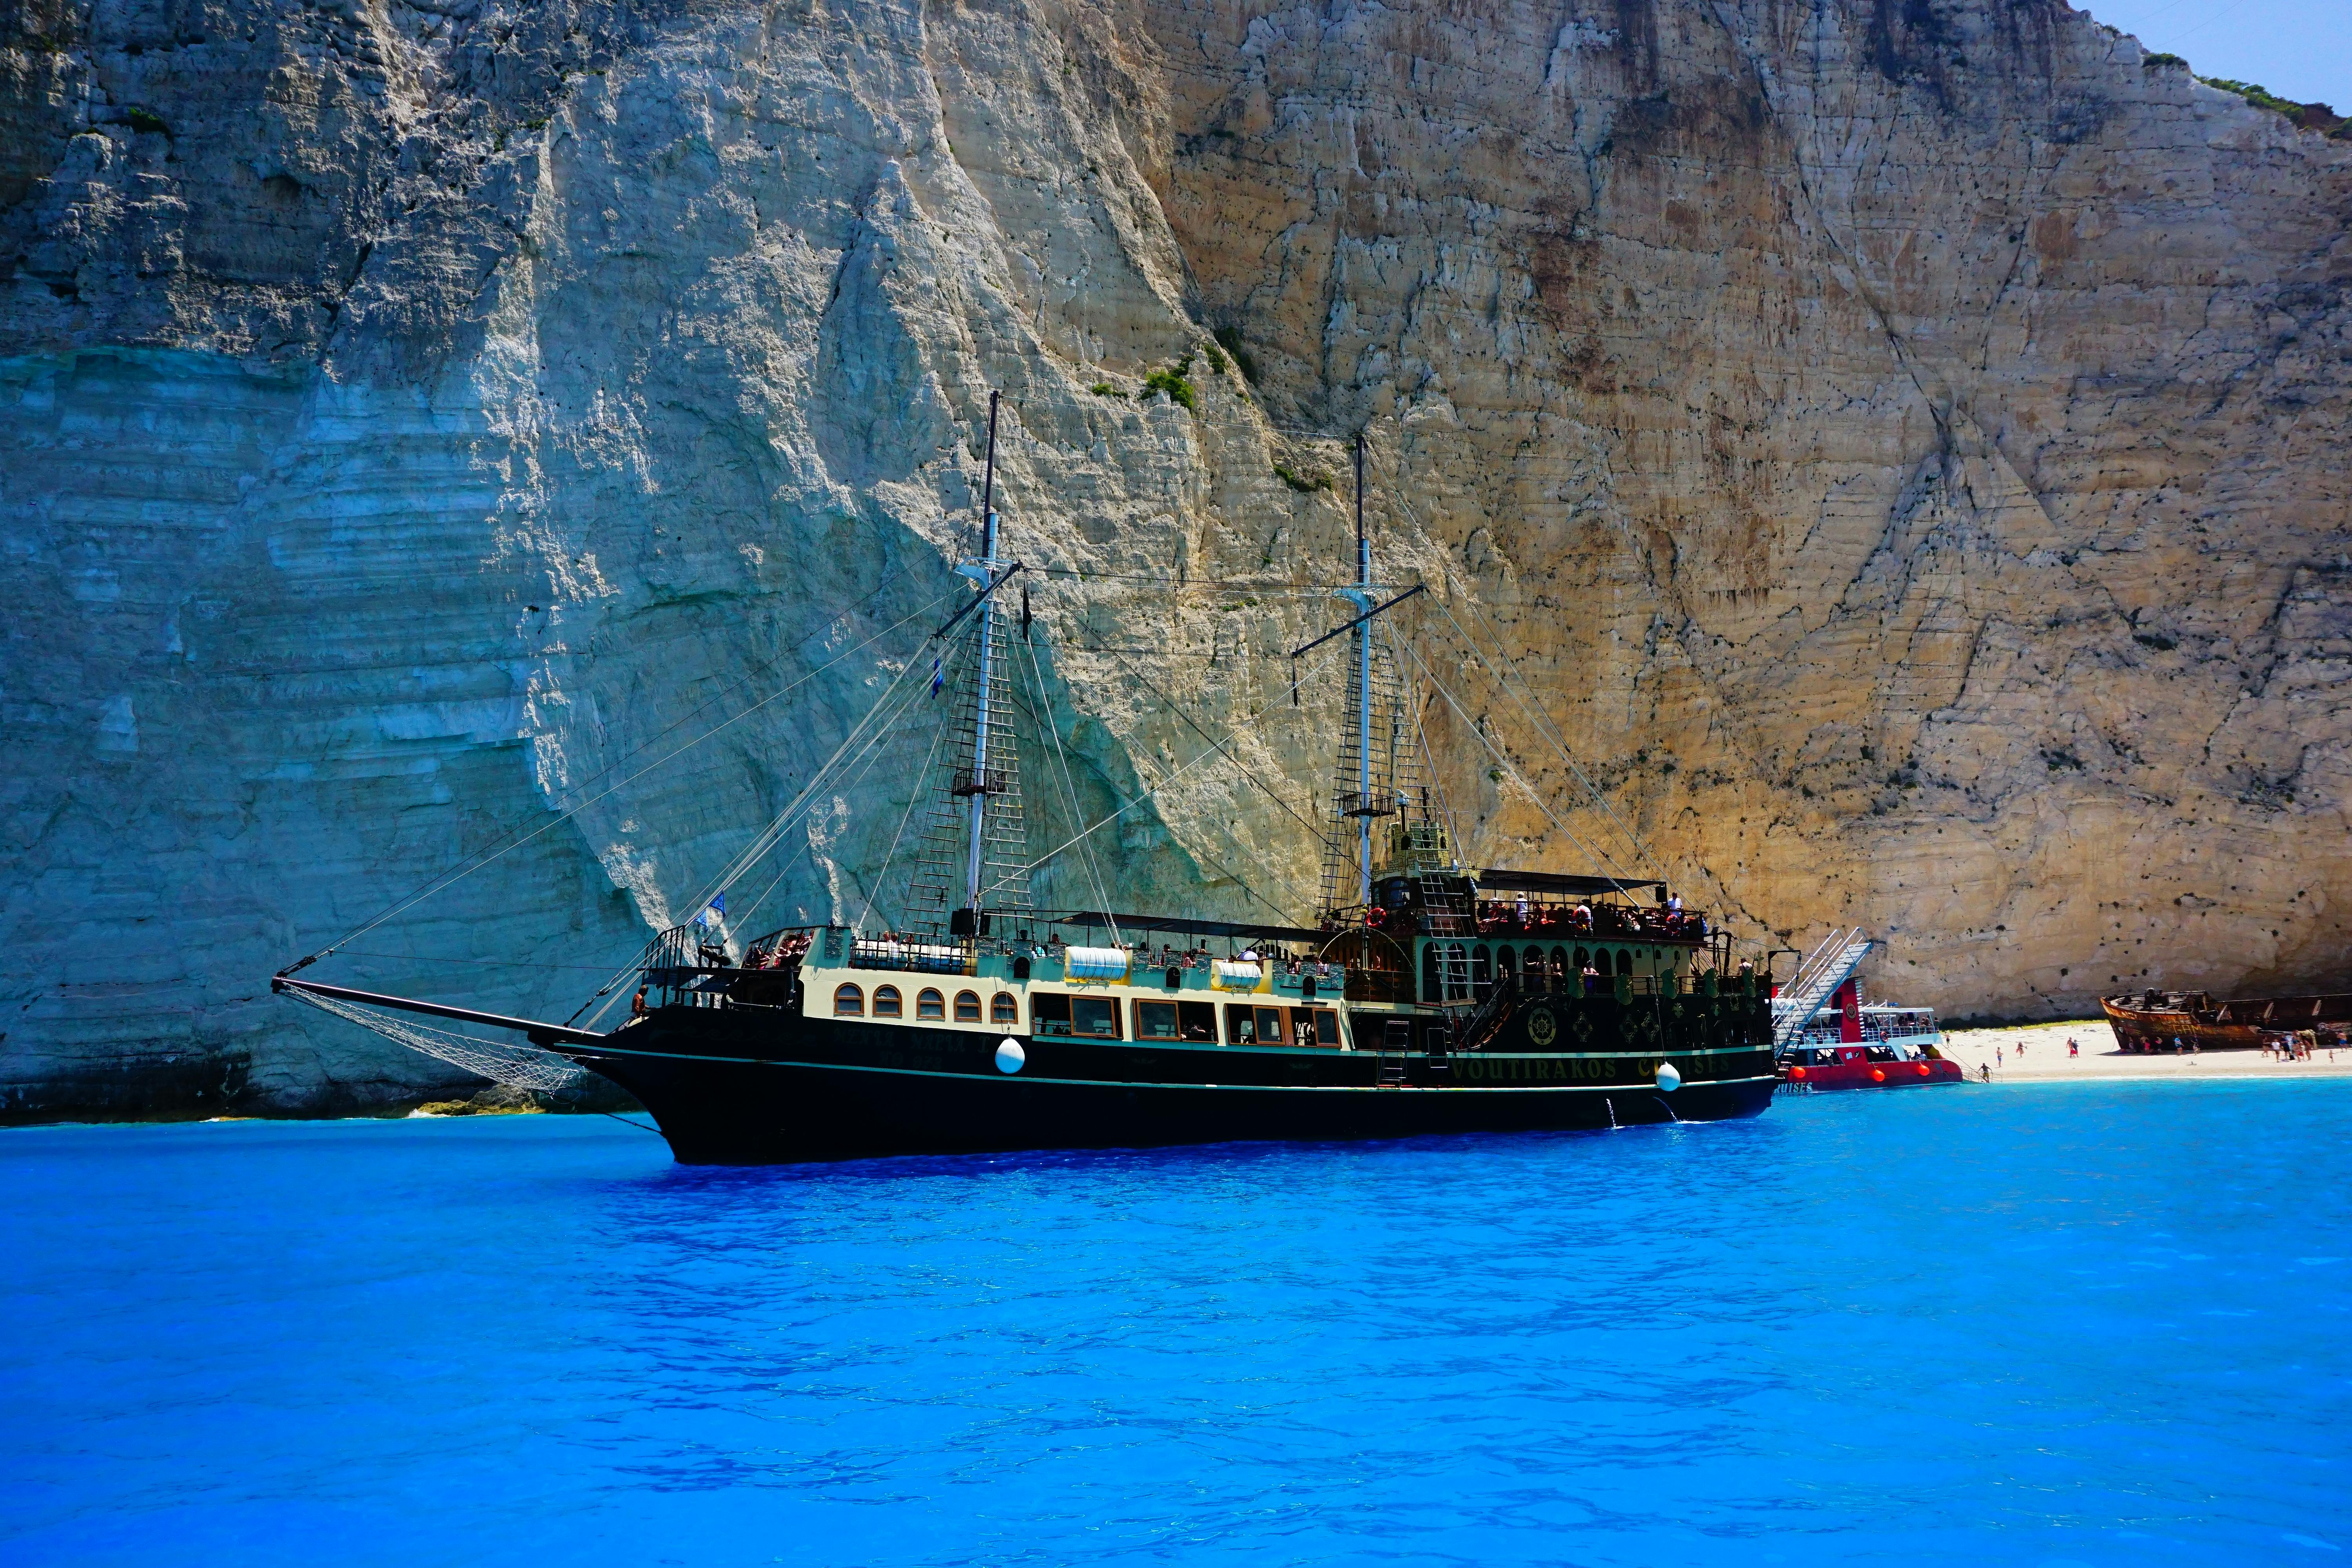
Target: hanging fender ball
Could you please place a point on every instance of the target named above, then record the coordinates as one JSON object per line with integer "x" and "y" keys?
{"x": 1669, "y": 1080}
{"x": 1010, "y": 1057}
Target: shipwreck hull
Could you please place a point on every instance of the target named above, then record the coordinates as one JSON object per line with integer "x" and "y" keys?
{"x": 2197, "y": 1022}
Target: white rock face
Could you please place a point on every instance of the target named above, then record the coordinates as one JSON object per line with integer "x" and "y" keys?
{"x": 1909, "y": 466}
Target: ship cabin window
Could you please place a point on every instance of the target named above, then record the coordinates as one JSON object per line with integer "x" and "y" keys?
{"x": 1255, "y": 1025}
{"x": 966, "y": 1006}
{"x": 1506, "y": 963}
{"x": 1315, "y": 1026}
{"x": 1083, "y": 1018}
{"x": 930, "y": 1004}
{"x": 1482, "y": 965}
{"x": 1195, "y": 1021}
{"x": 1625, "y": 962}
{"x": 886, "y": 1002}
{"x": 1003, "y": 1009}
{"x": 848, "y": 1002}
{"x": 1428, "y": 990}
{"x": 1534, "y": 972}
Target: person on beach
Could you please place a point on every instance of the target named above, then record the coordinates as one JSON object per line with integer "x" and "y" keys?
{"x": 1984, "y": 1071}
{"x": 2072, "y": 1048}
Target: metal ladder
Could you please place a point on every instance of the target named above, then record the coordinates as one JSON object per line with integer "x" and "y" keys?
{"x": 1447, "y": 922}
{"x": 1827, "y": 967}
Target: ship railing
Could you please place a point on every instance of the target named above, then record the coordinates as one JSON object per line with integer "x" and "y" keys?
{"x": 1530, "y": 983}
{"x": 908, "y": 954}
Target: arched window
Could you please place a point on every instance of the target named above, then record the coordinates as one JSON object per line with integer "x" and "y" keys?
{"x": 1003, "y": 1009}
{"x": 930, "y": 1004}
{"x": 1482, "y": 965}
{"x": 1584, "y": 960}
{"x": 1535, "y": 969}
{"x": 1625, "y": 962}
{"x": 966, "y": 1006}
{"x": 1428, "y": 990}
{"x": 848, "y": 1002}
{"x": 886, "y": 1002}
{"x": 1506, "y": 962}
{"x": 1559, "y": 964}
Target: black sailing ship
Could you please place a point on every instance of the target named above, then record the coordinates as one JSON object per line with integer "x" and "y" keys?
{"x": 1427, "y": 997}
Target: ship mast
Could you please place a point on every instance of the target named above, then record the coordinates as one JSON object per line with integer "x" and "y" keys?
{"x": 987, "y": 664}
{"x": 1363, "y": 635}
{"x": 974, "y": 855}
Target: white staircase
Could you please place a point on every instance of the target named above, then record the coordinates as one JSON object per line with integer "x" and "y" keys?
{"x": 1826, "y": 968}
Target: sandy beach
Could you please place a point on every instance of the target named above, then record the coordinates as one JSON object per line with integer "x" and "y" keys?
{"x": 2044, "y": 1057}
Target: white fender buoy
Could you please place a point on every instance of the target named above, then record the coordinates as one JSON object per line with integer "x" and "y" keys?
{"x": 1010, "y": 1056}
{"x": 1669, "y": 1080}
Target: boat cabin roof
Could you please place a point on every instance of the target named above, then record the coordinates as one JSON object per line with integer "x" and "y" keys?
{"x": 1175, "y": 925}
{"x": 1500, "y": 879}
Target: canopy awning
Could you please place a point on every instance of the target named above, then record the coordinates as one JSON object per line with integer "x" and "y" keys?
{"x": 1156, "y": 925}
{"x": 1502, "y": 879}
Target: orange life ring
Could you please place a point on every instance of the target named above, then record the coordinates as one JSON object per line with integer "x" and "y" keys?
{"x": 1878, "y": 1075}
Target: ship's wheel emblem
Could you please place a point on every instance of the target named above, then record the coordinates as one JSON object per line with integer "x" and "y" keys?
{"x": 1540, "y": 1028}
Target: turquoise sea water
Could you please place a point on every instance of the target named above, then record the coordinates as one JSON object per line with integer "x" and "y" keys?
{"x": 2066, "y": 1324}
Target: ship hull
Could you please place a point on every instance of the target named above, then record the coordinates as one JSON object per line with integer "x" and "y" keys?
{"x": 1866, "y": 1075}
{"x": 723, "y": 1092}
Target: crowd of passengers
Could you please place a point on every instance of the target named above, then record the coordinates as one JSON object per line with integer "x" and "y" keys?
{"x": 1524, "y": 917}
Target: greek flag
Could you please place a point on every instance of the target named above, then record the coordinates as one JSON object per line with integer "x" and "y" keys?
{"x": 937, "y": 678}
{"x": 714, "y": 915}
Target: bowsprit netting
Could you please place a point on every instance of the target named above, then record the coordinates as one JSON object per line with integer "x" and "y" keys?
{"x": 517, "y": 1066}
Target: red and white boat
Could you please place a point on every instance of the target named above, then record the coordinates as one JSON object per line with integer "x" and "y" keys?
{"x": 1825, "y": 1036}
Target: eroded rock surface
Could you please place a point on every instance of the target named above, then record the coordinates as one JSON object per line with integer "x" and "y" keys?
{"x": 1902, "y": 446}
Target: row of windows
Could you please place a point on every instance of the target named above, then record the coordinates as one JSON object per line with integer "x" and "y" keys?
{"x": 1097, "y": 1017}
{"x": 849, "y": 1002}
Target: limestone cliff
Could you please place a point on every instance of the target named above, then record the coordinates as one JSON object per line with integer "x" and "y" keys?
{"x": 1900, "y": 442}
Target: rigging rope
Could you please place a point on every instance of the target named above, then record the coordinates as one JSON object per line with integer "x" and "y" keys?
{"x": 780, "y": 825}
{"x": 914, "y": 799}
{"x": 1042, "y": 708}
{"x": 1641, "y": 850}
{"x": 1203, "y": 755}
{"x": 454, "y": 876}
{"x": 1505, "y": 763}
{"x": 776, "y": 828}
{"x": 1454, "y": 583}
